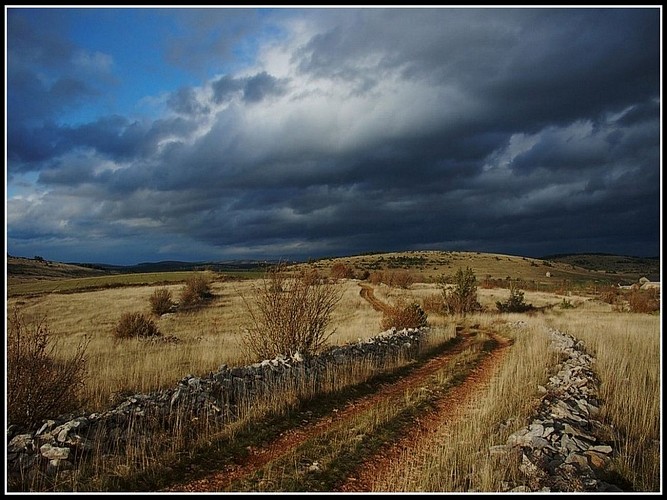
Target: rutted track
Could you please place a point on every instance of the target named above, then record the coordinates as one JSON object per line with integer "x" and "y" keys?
{"x": 367, "y": 293}
{"x": 448, "y": 409}
{"x": 373, "y": 466}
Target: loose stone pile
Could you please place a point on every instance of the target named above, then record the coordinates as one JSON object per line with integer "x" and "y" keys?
{"x": 59, "y": 444}
{"x": 559, "y": 450}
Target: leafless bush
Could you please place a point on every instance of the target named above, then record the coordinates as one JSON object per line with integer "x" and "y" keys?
{"x": 38, "y": 385}
{"x": 340, "y": 271}
{"x": 609, "y": 294}
{"x": 161, "y": 301}
{"x": 376, "y": 277}
{"x": 644, "y": 301}
{"x": 135, "y": 324}
{"x": 401, "y": 279}
{"x": 402, "y": 316}
{"x": 290, "y": 313}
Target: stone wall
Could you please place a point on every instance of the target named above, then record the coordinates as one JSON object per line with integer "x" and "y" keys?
{"x": 62, "y": 442}
{"x": 560, "y": 449}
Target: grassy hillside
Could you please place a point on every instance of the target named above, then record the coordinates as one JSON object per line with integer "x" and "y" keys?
{"x": 612, "y": 264}
{"x": 429, "y": 265}
{"x": 22, "y": 269}
{"x": 34, "y": 276}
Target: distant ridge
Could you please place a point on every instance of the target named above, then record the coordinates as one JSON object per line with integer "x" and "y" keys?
{"x": 177, "y": 265}
{"x": 622, "y": 264}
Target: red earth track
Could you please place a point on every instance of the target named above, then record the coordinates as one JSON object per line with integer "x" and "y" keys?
{"x": 377, "y": 465}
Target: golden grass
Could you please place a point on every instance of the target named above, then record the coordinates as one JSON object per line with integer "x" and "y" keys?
{"x": 627, "y": 347}
{"x": 628, "y": 353}
{"x": 457, "y": 457}
{"x": 208, "y": 336}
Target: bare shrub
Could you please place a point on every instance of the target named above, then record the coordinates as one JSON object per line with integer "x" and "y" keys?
{"x": 376, "y": 277}
{"x": 290, "y": 313}
{"x": 609, "y": 294}
{"x": 462, "y": 299}
{"x": 401, "y": 279}
{"x": 161, "y": 301}
{"x": 196, "y": 290}
{"x": 402, "y": 316}
{"x": 135, "y": 324}
{"x": 341, "y": 271}
{"x": 643, "y": 301}
{"x": 38, "y": 385}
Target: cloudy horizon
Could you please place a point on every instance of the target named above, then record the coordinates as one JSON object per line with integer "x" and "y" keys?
{"x": 148, "y": 134}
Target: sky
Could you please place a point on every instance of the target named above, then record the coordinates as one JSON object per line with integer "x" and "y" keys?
{"x": 148, "y": 134}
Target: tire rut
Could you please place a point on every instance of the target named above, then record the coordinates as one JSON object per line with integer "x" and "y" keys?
{"x": 376, "y": 469}
{"x": 362, "y": 479}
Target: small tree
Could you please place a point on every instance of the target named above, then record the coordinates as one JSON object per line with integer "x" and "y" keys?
{"x": 161, "y": 302}
{"x": 290, "y": 313}
{"x": 515, "y": 302}
{"x": 39, "y": 385}
{"x": 462, "y": 299}
{"x": 402, "y": 316}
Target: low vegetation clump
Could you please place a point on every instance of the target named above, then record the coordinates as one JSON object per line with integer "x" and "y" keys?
{"x": 399, "y": 279}
{"x": 610, "y": 295}
{"x": 643, "y": 301}
{"x": 515, "y": 302}
{"x": 135, "y": 325}
{"x": 289, "y": 314}
{"x": 462, "y": 299}
{"x": 341, "y": 271}
{"x": 566, "y": 304}
{"x": 197, "y": 289}
{"x": 39, "y": 386}
{"x": 433, "y": 303}
{"x": 402, "y": 316}
{"x": 161, "y": 301}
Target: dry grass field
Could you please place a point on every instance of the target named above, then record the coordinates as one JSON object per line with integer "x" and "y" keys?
{"x": 626, "y": 345}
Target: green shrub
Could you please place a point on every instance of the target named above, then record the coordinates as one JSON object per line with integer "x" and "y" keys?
{"x": 462, "y": 299}
{"x": 161, "y": 302}
{"x": 566, "y": 304}
{"x": 135, "y": 324}
{"x": 39, "y": 386}
{"x": 515, "y": 303}
{"x": 402, "y": 316}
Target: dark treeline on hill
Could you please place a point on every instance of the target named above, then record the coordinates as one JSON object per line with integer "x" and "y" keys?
{"x": 171, "y": 265}
{"x": 611, "y": 263}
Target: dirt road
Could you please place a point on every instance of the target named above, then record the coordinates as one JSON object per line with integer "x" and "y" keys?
{"x": 375, "y": 464}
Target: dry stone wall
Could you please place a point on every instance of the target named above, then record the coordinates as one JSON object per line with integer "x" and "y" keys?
{"x": 62, "y": 442}
{"x": 559, "y": 450}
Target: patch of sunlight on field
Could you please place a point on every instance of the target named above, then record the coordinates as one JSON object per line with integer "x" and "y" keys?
{"x": 206, "y": 337}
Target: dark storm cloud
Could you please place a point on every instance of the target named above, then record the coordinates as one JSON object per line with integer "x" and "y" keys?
{"x": 252, "y": 88}
{"x": 527, "y": 131}
{"x": 195, "y": 39}
{"x": 185, "y": 102}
